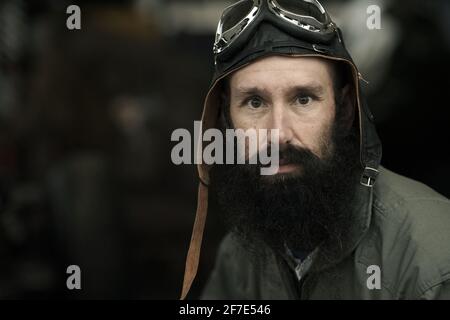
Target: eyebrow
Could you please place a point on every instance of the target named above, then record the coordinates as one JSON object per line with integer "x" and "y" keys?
{"x": 313, "y": 88}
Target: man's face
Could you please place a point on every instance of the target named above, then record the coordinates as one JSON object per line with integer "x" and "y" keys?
{"x": 306, "y": 202}
{"x": 292, "y": 94}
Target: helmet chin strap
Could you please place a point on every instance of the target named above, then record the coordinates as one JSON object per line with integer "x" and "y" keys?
{"x": 193, "y": 254}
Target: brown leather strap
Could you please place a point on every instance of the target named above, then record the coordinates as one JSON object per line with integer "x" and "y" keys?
{"x": 193, "y": 255}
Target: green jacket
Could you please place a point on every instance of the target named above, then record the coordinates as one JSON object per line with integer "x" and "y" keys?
{"x": 403, "y": 227}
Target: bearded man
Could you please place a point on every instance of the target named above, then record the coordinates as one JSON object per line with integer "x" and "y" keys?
{"x": 331, "y": 223}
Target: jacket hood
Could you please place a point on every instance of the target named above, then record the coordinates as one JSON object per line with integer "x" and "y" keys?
{"x": 270, "y": 40}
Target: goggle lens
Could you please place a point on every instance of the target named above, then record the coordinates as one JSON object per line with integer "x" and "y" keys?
{"x": 234, "y": 14}
{"x": 303, "y": 8}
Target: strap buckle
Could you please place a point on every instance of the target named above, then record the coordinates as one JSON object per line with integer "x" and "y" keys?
{"x": 369, "y": 176}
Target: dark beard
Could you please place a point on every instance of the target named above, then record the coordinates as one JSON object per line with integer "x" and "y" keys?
{"x": 301, "y": 210}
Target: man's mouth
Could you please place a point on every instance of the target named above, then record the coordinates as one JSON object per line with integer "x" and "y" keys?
{"x": 285, "y": 166}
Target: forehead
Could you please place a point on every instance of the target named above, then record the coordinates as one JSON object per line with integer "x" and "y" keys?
{"x": 284, "y": 70}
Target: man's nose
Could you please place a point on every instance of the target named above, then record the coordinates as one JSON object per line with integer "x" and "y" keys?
{"x": 281, "y": 120}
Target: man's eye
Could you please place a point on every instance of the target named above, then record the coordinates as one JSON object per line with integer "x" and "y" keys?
{"x": 255, "y": 103}
{"x": 304, "y": 100}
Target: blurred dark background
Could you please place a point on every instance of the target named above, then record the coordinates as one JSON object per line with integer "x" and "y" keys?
{"x": 86, "y": 117}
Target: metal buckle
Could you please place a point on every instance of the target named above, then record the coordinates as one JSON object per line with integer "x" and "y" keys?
{"x": 319, "y": 49}
{"x": 369, "y": 176}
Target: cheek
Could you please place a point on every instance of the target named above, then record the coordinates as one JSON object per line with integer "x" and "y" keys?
{"x": 315, "y": 132}
{"x": 241, "y": 120}
{"x": 324, "y": 140}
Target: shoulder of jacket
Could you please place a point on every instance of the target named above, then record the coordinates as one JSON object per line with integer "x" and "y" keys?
{"x": 399, "y": 186}
{"x": 401, "y": 198}
{"x": 234, "y": 254}
{"x": 413, "y": 221}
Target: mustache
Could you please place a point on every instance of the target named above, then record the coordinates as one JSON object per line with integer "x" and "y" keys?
{"x": 290, "y": 154}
